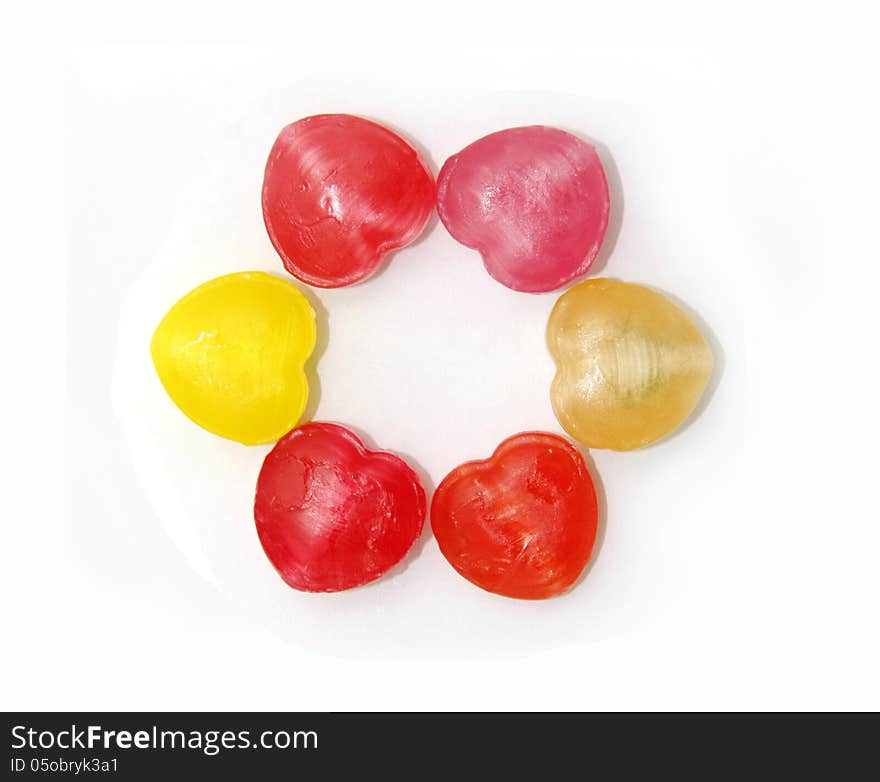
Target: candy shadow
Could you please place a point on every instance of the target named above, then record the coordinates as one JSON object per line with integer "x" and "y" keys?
{"x": 615, "y": 193}
{"x": 427, "y": 484}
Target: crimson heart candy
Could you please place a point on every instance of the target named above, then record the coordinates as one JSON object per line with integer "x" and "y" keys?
{"x": 339, "y": 193}
{"x": 534, "y": 201}
{"x": 521, "y": 523}
{"x": 332, "y": 515}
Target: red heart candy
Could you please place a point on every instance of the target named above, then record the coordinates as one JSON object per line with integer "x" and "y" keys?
{"x": 521, "y": 523}
{"x": 340, "y": 193}
{"x": 331, "y": 514}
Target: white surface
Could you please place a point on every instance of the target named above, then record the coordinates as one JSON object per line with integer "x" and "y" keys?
{"x": 432, "y": 359}
{"x": 737, "y": 566}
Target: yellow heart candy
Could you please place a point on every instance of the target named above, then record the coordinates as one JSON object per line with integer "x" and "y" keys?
{"x": 630, "y": 365}
{"x": 231, "y": 354}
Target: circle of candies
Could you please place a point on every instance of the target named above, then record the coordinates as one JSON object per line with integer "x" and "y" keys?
{"x": 339, "y": 194}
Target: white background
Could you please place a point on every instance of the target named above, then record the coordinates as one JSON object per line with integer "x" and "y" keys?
{"x": 737, "y": 566}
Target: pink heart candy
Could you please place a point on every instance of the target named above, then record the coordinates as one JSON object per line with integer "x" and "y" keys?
{"x": 534, "y": 201}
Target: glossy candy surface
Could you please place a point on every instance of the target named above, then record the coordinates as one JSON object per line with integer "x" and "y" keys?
{"x": 534, "y": 201}
{"x": 521, "y": 523}
{"x": 231, "y": 352}
{"x": 630, "y": 364}
{"x": 332, "y": 515}
{"x": 339, "y": 193}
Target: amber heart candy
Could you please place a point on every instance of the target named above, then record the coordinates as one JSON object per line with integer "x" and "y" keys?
{"x": 630, "y": 364}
